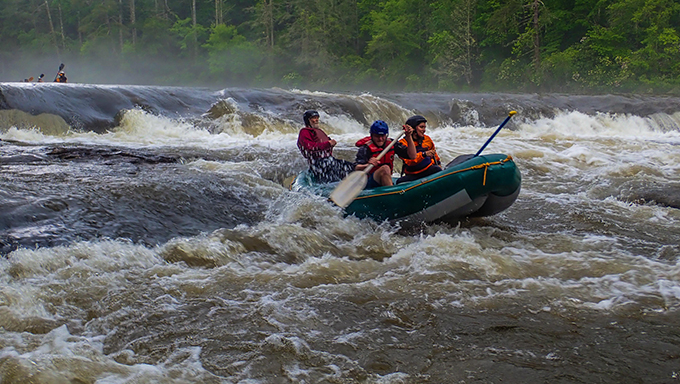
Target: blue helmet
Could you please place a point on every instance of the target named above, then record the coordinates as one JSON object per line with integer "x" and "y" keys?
{"x": 379, "y": 127}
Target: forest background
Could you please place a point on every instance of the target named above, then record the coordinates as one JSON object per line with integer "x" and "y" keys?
{"x": 584, "y": 46}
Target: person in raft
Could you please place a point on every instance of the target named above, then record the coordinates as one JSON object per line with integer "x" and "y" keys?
{"x": 371, "y": 146}
{"x": 426, "y": 161}
{"x": 317, "y": 148}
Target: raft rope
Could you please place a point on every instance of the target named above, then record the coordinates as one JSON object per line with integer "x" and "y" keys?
{"x": 474, "y": 167}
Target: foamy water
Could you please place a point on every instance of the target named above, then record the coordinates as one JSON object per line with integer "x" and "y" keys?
{"x": 206, "y": 269}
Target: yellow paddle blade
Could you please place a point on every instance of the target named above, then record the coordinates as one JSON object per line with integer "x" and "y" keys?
{"x": 349, "y": 188}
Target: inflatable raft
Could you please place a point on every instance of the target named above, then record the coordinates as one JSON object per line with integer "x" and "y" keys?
{"x": 469, "y": 187}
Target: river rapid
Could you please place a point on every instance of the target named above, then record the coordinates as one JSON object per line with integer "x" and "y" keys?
{"x": 146, "y": 236}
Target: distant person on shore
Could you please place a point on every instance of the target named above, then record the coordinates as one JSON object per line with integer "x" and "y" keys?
{"x": 371, "y": 146}
{"x": 40, "y": 78}
{"x": 317, "y": 148}
{"x": 426, "y": 161}
{"x": 61, "y": 77}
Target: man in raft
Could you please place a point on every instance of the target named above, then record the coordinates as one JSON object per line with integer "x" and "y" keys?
{"x": 371, "y": 146}
{"x": 426, "y": 161}
{"x": 317, "y": 148}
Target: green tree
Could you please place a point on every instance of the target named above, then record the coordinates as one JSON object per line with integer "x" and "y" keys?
{"x": 190, "y": 36}
{"x": 519, "y": 25}
{"x": 231, "y": 57}
{"x": 398, "y": 38}
{"x": 658, "y": 56}
{"x": 453, "y": 43}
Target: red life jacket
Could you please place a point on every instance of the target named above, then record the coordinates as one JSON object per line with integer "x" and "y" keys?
{"x": 375, "y": 151}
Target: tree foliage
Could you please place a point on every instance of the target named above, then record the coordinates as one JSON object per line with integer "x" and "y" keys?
{"x": 542, "y": 45}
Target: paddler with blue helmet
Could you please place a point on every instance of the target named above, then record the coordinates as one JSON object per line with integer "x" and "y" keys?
{"x": 371, "y": 146}
{"x": 426, "y": 161}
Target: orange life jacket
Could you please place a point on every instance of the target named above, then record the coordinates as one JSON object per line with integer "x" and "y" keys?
{"x": 421, "y": 162}
{"x": 375, "y": 151}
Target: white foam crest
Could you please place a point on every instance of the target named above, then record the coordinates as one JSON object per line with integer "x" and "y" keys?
{"x": 617, "y": 281}
{"x": 21, "y": 301}
{"x": 461, "y": 255}
{"x": 480, "y": 272}
{"x": 616, "y": 290}
{"x": 62, "y": 357}
{"x": 232, "y": 125}
{"x": 575, "y": 146}
{"x": 451, "y": 141}
{"x": 88, "y": 257}
{"x": 341, "y": 125}
{"x": 311, "y": 93}
{"x": 234, "y": 122}
{"x": 303, "y": 239}
{"x": 468, "y": 113}
{"x": 550, "y": 146}
{"x": 659, "y": 216}
{"x": 141, "y": 129}
{"x": 24, "y": 135}
{"x": 59, "y": 356}
{"x": 664, "y": 122}
{"x": 575, "y": 124}
{"x": 378, "y": 108}
{"x": 374, "y": 108}
{"x": 470, "y": 262}
{"x": 80, "y": 270}
{"x": 138, "y": 128}
{"x": 669, "y": 291}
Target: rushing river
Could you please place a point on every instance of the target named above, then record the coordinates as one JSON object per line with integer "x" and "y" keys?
{"x": 146, "y": 236}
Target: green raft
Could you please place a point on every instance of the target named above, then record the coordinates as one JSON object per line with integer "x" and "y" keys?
{"x": 468, "y": 186}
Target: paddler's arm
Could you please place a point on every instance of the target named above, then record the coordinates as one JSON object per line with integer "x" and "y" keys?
{"x": 307, "y": 142}
{"x": 372, "y": 161}
{"x": 363, "y": 159}
{"x": 432, "y": 152}
{"x": 411, "y": 146}
{"x": 407, "y": 151}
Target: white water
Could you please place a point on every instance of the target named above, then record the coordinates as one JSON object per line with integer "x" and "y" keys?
{"x": 572, "y": 242}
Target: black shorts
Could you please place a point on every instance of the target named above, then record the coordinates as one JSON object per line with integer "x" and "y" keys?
{"x": 371, "y": 183}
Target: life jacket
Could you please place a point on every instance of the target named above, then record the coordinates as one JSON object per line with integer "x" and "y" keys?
{"x": 374, "y": 150}
{"x": 421, "y": 162}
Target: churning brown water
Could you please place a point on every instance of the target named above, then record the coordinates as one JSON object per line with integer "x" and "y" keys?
{"x": 165, "y": 249}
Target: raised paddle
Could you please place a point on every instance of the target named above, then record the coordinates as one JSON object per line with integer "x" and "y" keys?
{"x": 350, "y": 187}
{"x": 510, "y": 114}
{"x": 61, "y": 66}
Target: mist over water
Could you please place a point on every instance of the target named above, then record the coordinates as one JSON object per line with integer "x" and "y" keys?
{"x": 158, "y": 244}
